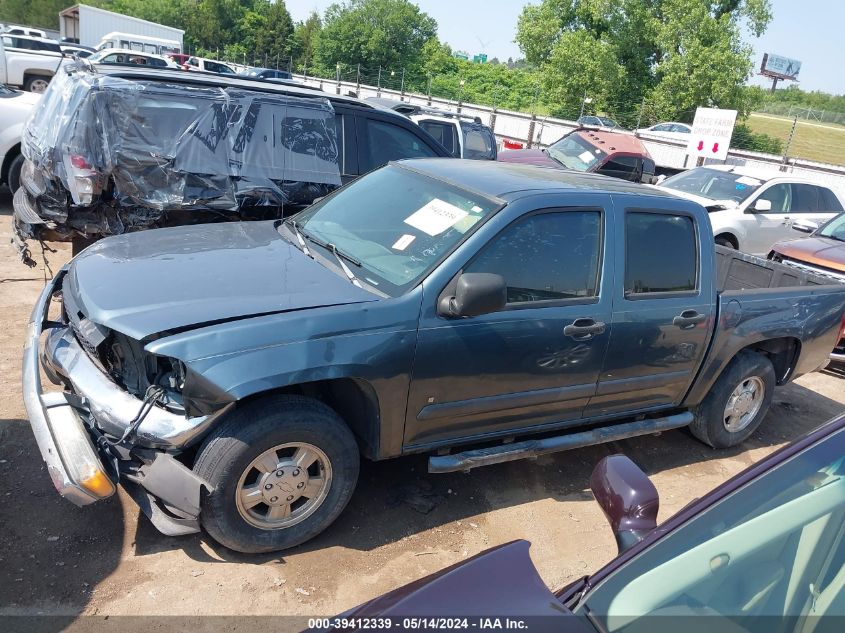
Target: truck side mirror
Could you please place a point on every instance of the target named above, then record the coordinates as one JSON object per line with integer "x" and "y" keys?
{"x": 475, "y": 294}
{"x": 805, "y": 226}
{"x": 627, "y": 497}
{"x": 760, "y": 206}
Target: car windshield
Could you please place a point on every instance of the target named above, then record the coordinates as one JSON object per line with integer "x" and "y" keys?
{"x": 576, "y": 153}
{"x": 396, "y": 224}
{"x": 713, "y": 184}
{"x": 835, "y": 229}
{"x": 608, "y": 122}
{"x": 736, "y": 558}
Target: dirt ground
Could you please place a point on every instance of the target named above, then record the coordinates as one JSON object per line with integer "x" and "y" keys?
{"x": 401, "y": 524}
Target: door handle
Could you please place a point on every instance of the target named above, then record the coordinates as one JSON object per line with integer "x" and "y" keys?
{"x": 583, "y": 329}
{"x": 688, "y": 319}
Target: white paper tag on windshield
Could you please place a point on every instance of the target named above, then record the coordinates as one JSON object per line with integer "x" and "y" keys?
{"x": 586, "y": 157}
{"x": 403, "y": 242}
{"x": 436, "y": 217}
{"x": 747, "y": 180}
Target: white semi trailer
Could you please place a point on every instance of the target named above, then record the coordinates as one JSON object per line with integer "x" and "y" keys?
{"x": 91, "y": 26}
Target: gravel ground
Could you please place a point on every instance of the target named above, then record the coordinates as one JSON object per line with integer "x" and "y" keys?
{"x": 401, "y": 524}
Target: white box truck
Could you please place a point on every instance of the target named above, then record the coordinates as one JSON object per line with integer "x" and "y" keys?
{"x": 98, "y": 28}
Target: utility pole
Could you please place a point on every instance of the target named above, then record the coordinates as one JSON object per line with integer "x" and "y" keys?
{"x": 290, "y": 64}
{"x": 337, "y": 90}
{"x": 640, "y": 115}
{"x": 460, "y": 95}
{"x": 402, "y": 90}
{"x": 429, "y": 89}
{"x": 358, "y": 81}
{"x": 785, "y": 160}
{"x": 583, "y": 101}
{"x": 378, "y": 85}
{"x": 495, "y": 104}
{"x": 533, "y": 122}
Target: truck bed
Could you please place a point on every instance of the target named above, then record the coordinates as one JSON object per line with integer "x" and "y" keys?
{"x": 740, "y": 271}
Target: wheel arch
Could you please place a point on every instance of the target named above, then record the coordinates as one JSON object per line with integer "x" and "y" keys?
{"x": 729, "y": 236}
{"x": 354, "y": 399}
{"x": 11, "y": 155}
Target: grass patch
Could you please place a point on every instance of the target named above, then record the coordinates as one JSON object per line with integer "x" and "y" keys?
{"x": 822, "y": 142}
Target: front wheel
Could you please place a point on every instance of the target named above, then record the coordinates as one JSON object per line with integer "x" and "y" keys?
{"x": 282, "y": 468}
{"x": 14, "y": 177}
{"x": 737, "y": 402}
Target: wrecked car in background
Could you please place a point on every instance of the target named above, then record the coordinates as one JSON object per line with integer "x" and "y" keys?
{"x": 108, "y": 155}
{"x": 115, "y": 150}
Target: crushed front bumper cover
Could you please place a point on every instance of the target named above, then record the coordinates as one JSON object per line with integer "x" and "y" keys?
{"x": 82, "y": 467}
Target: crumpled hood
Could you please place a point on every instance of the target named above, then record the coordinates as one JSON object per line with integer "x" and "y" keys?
{"x": 148, "y": 282}
{"x": 528, "y": 157}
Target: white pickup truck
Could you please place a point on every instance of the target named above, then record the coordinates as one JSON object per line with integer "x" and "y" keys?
{"x": 28, "y": 62}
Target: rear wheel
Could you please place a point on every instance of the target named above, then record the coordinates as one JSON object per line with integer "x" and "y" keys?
{"x": 283, "y": 468}
{"x": 737, "y": 402}
{"x": 36, "y": 84}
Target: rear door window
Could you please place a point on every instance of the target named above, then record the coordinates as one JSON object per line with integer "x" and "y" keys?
{"x": 646, "y": 271}
{"x": 384, "y": 142}
{"x": 830, "y": 203}
{"x": 805, "y": 198}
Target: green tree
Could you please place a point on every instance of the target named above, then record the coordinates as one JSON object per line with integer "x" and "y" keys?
{"x": 675, "y": 54}
{"x": 305, "y": 35}
{"x": 43, "y": 13}
{"x": 386, "y": 33}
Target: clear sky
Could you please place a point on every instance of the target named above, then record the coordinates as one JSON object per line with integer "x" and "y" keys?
{"x": 808, "y": 30}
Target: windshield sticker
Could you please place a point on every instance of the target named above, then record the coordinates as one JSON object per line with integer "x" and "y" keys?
{"x": 436, "y": 217}
{"x": 462, "y": 226}
{"x": 476, "y": 209}
{"x": 746, "y": 180}
{"x": 403, "y": 242}
{"x": 586, "y": 157}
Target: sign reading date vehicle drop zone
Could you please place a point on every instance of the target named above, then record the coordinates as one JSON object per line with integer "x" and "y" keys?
{"x": 711, "y": 133}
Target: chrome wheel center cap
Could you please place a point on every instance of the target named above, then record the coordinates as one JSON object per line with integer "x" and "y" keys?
{"x": 283, "y": 486}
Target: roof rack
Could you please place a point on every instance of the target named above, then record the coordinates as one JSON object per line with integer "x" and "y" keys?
{"x": 418, "y": 109}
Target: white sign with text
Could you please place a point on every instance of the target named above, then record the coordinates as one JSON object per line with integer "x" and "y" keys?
{"x": 711, "y": 133}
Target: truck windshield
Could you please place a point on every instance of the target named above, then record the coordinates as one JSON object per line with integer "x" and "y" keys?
{"x": 396, "y": 224}
{"x": 835, "y": 229}
{"x": 574, "y": 152}
{"x": 713, "y": 184}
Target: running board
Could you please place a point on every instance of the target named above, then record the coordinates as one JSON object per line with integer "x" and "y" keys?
{"x": 534, "y": 448}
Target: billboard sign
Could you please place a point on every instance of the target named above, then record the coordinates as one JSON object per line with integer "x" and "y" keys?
{"x": 711, "y": 133}
{"x": 780, "y": 67}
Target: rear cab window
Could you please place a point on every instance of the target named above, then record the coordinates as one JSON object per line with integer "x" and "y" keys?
{"x": 479, "y": 142}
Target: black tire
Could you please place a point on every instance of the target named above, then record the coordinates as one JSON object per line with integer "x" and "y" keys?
{"x": 721, "y": 240}
{"x": 250, "y": 431}
{"x": 13, "y": 179}
{"x": 35, "y": 79}
{"x": 709, "y": 424}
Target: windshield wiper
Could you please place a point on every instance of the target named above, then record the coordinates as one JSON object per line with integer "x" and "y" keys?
{"x": 292, "y": 224}
{"x": 339, "y": 255}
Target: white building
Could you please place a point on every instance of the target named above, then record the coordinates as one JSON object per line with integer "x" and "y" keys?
{"x": 89, "y": 25}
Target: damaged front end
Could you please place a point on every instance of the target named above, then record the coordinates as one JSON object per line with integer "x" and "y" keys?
{"x": 124, "y": 416}
{"x": 107, "y": 155}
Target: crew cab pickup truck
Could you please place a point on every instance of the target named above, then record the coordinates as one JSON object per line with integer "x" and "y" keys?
{"x": 232, "y": 375}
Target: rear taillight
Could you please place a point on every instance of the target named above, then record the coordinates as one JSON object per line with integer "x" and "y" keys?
{"x": 79, "y": 162}
{"x": 83, "y": 181}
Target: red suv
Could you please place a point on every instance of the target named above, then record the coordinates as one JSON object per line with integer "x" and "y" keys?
{"x": 584, "y": 149}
